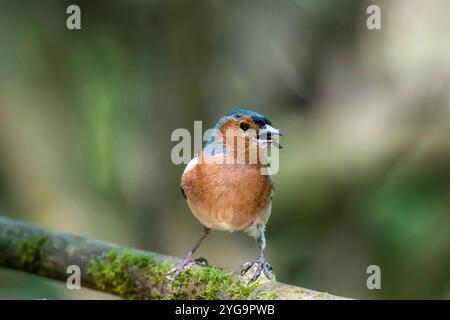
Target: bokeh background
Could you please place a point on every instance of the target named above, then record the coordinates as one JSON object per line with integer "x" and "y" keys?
{"x": 86, "y": 118}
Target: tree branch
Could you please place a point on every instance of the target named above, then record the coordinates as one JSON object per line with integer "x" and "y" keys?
{"x": 126, "y": 272}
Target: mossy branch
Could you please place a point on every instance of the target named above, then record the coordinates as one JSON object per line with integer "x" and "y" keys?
{"x": 126, "y": 272}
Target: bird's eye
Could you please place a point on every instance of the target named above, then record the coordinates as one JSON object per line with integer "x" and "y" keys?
{"x": 244, "y": 126}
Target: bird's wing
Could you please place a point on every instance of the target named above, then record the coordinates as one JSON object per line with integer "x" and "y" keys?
{"x": 190, "y": 166}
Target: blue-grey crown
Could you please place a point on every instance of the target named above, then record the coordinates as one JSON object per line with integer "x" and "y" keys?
{"x": 237, "y": 113}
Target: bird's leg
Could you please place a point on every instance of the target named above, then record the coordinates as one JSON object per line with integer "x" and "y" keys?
{"x": 189, "y": 261}
{"x": 261, "y": 263}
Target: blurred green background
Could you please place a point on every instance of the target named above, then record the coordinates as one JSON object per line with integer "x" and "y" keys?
{"x": 86, "y": 118}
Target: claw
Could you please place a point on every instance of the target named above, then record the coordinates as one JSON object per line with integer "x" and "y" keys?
{"x": 185, "y": 265}
{"x": 246, "y": 267}
{"x": 201, "y": 261}
{"x": 261, "y": 267}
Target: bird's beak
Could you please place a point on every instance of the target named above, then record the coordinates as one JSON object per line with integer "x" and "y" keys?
{"x": 270, "y": 135}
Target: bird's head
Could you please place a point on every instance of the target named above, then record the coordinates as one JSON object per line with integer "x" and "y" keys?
{"x": 251, "y": 126}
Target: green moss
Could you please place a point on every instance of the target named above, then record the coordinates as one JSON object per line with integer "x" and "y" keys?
{"x": 139, "y": 276}
{"x": 115, "y": 272}
{"x": 272, "y": 295}
{"x": 31, "y": 252}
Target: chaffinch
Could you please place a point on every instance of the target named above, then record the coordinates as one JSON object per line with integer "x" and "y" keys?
{"x": 228, "y": 185}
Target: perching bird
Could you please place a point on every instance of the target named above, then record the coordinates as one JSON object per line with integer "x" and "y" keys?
{"x": 225, "y": 187}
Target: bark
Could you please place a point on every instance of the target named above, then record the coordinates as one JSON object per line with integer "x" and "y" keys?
{"x": 127, "y": 272}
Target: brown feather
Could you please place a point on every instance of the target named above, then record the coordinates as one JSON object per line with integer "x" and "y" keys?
{"x": 227, "y": 196}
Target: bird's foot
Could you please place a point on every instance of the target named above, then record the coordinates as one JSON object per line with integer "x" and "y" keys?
{"x": 185, "y": 265}
{"x": 261, "y": 267}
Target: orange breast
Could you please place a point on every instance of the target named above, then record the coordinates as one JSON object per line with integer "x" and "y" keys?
{"x": 227, "y": 196}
